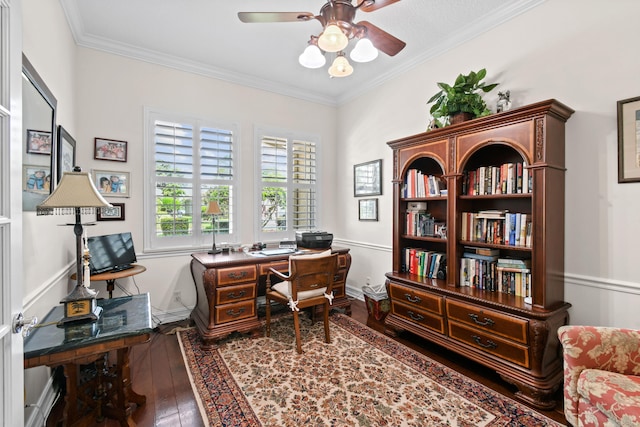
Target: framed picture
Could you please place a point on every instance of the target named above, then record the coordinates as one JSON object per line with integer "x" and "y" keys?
{"x": 112, "y": 183}
{"x": 629, "y": 140}
{"x": 115, "y": 213}
{"x": 110, "y": 149}
{"x": 368, "y": 209}
{"x": 36, "y": 178}
{"x": 66, "y": 152}
{"x": 38, "y": 142}
{"x": 367, "y": 179}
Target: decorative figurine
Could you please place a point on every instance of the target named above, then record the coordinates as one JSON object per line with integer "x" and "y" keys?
{"x": 503, "y": 104}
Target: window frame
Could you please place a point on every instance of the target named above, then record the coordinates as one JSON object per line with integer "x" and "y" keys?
{"x": 198, "y": 240}
{"x": 267, "y": 131}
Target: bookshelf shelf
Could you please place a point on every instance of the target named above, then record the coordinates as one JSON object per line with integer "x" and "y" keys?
{"x": 485, "y": 182}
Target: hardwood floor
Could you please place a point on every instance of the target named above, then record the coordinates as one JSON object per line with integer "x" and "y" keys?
{"x": 159, "y": 373}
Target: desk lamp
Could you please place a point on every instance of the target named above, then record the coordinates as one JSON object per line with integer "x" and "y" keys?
{"x": 213, "y": 209}
{"x": 76, "y": 194}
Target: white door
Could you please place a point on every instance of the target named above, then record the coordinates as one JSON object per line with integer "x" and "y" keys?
{"x": 11, "y": 353}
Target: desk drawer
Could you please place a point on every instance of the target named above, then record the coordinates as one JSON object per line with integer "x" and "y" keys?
{"x": 490, "y": 321}
{"x": 235, "y": 311}
{"x": 416, "y": 298}
{"x": 232, "y": 275}
{"x": 490, "y": 343}
{"x": 281, "y": 266}
{"x": 235, "y": 293}
{"x": 417, "y": 316}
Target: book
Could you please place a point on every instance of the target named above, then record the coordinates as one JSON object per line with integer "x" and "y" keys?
{"x": 490, "y": 258}
{"x": 482, "y": 251}
{"x": 514, "y": 262}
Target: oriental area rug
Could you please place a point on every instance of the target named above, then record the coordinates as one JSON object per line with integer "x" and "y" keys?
{"x": 363, "y": 378}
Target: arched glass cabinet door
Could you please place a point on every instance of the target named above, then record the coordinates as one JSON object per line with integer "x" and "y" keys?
{"x": 39, "y": 138}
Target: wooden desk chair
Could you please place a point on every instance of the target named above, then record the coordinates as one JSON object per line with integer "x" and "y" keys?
{"x": 309, "y": 283}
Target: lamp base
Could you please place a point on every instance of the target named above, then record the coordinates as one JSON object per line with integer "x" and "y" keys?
{"x": 80, "y": 305}
{"x": 215, "y": 251}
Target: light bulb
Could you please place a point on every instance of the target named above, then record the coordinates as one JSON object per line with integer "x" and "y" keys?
{"x": 364, "y": 51}
{"x": 340, "y": 67}
{"x": 312, "y": 57}
{"x": 332, "y": 39}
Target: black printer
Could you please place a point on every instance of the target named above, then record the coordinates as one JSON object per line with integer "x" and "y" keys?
{"x": 314, "y": 239}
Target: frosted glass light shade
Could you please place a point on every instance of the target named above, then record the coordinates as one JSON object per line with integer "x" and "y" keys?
{"x": 332, "y": 39}
{"x": 364, "y": 51}
{"x": 312, "y": 57}
{"x": 340, "y": 67}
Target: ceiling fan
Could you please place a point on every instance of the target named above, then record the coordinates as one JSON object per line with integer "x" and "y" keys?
{"x": 337, "y": 19}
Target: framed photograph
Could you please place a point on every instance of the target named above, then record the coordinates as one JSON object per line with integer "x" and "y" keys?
{"x": 112, "y": 183}
{"x": 368, "y": 209}
{"x": 36, "y": 178}
{"x": 115, "y": 213}
{"x": 38, "y": 142}
{"x": 66, "y": 152}
{"x": 110, "y": 149}
{"x": 367, "y": 179}
{"x": 629, "y": 140}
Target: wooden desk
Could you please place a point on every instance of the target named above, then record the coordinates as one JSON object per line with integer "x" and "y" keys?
{"x": 111, "y": 276}
{"x": 125, "y": 322}
{"x": 227, "y": 287}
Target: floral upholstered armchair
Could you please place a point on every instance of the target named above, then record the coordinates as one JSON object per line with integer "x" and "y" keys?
{"x": 601, "y": 375}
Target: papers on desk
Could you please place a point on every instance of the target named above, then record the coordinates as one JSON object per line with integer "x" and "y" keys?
{"x": 274, "y": 252}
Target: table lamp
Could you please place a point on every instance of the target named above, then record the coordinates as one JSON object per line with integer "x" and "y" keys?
{"x": 213, "y": 209}
{"x": 76, "y": 194}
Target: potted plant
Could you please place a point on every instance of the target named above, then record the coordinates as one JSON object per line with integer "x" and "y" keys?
{"x": 462, "y": 101}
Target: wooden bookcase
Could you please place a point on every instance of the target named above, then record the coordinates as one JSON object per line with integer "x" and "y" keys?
{"x": 513, "y": 334}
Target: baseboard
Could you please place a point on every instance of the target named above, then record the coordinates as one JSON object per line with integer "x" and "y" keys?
{"x": 160, "y": 317}
{"x": 35, "y": 415}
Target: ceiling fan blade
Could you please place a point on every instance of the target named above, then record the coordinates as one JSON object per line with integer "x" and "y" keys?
{"x": 382, "y": 40}
{"x": 378, "y": 4}
{"x": 259, "y": 17}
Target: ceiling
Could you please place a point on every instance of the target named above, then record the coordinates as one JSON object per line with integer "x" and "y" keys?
{"x": 206, "y": 37}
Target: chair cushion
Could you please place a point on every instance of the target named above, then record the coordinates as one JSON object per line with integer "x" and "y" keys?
{"x": 284, "y": 288}
{"x": 615, "y": 395}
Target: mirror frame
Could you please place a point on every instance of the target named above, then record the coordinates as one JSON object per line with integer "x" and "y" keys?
{"x": 37, "y": 82}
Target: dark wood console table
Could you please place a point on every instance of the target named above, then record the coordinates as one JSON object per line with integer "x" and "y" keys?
{"x": 227, "y": 287}
{"x": 124, "y": 322}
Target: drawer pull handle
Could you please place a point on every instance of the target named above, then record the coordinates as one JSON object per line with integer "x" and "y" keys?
{"x": 489, "y": 344}
{"x": 412, "y": 299}
{"x": 486, "y": 322}
{"x": 233, "y": 295}
{"x": 413, "y": 316}
{"x": 237, "y": 275}
{"x": 235, "y": 313}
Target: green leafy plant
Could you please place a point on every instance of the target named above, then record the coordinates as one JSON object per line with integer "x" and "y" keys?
{"x": 465, "y": 96}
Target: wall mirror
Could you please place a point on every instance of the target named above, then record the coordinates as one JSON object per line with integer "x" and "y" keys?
{"x": 39, "y": 138}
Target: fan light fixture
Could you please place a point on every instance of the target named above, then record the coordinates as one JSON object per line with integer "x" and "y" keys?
{"x": 340, "y": 67}
{"x": 339, "y": 27}
{"x": 332, "y": 39}
{"x": 312, "y": 57}
{"x": 364, "y": 51}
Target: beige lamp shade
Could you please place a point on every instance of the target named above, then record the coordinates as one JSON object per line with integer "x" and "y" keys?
{"x": 75, "y": 190}
{"x": 213, "y": 208}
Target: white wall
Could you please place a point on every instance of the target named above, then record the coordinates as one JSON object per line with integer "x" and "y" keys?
{"x": 583, "y": 53}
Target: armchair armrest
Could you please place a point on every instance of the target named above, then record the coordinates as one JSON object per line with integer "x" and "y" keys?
{"x": 595, "y": 347}
{"x": 278, "y": 274}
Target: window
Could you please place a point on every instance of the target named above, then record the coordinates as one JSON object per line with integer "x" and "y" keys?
{"x": 288, "y": 195}
{"x": 190, "y": 162}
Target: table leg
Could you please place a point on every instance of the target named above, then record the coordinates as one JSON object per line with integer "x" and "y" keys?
{"x": 111, "y": 284}
{"x": 70, "y": 413}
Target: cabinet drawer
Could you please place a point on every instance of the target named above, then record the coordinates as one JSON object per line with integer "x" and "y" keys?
{"x": 416, "y": 298}
{"x": 342, "y": 261}
{"x": 281, "y": 266}
{"x": 420, "y": 317}
{"x": 231, "y": 275}
{"x": 338, "y": 290}
{"x": 235, "y": 293}
{"x": 488, "y": 320}
{"x": 490, "y": 343}
{"x": 235, "y": 311}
